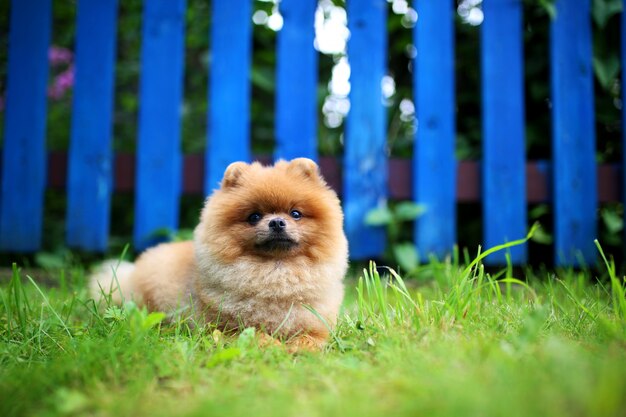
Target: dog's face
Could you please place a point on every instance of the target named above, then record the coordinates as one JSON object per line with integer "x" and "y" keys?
{"x": 277, "y": 232}
{"x": 277, "y": 212}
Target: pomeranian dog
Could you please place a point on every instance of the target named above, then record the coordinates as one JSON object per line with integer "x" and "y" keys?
{"x": 269, "y": 252}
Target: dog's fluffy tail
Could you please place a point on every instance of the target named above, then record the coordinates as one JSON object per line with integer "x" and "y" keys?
{"x": 112, "y": 278}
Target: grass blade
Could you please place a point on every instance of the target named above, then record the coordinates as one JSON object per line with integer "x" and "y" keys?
{"x": 47, "y": 302}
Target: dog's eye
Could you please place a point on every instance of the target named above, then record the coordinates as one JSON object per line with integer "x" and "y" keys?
{"x": 254, "y": 218}
{"x": 296, "y": 214}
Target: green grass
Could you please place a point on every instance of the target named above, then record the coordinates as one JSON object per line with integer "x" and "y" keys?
{"x": 459, "y": 343}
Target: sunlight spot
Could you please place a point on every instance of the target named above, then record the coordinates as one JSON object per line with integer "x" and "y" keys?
{"x": 471, "y": 12}
{"x": 407, "y": 110}
{"x": 275, "y": 21}
{"x": 331, "y": 28}
{"x": 475, "y": 17}
{"x": 409, "y": 19}
{"x": 388, "y": 86}
{"x": 260, "y": 17}
{"x": 411, "y": 51}
{"x": 400, "y": 6}
{"x": 340, "y": 82}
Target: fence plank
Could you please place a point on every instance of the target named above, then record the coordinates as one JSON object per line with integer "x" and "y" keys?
{"x": 434, "y": 162}
{"x": 365, "y": 163}
{"x": 229, "y": 88}
{"x": 573, "y": 141}
{"x": 504, "y": 185}
{"x": 90, "y": 156}
{"x": 296, "y": 81}
{"x": 24, "y": 156}
{"x": 161, "y": 88}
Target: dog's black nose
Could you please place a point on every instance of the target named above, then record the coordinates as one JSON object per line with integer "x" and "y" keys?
{"x": 278, "y": 224}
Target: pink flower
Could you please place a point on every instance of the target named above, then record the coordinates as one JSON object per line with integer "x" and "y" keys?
{"x": 66, "y": 78}
{"x": 62, "y": 82}
{"x": 58, "y": 55}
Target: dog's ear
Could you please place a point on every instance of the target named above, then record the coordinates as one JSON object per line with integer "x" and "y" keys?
{"x": 232, "y": 175}
{"x": 305, "y": 167}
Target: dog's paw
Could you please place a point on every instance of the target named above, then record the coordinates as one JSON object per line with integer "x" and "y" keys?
{"x": 264, "y": 340}
{"x": 306, "y": 343}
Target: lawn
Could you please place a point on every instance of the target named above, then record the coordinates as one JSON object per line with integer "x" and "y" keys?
{"x": 452, "y": 342}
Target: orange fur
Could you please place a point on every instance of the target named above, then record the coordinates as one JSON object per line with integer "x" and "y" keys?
{"x": 240, "y": 272}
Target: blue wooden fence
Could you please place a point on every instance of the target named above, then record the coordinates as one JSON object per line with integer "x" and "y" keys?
{"x": 90, "y": 156}
{"x": 158, "y": 143}
{"x": 434, "y": 163}
{"x": 23, "y": 156}
{"x": 573, "y": 136}
{"x": 503, "y": 184}
{"x": 365, "y": 165}
{"x": 229, "y": 93}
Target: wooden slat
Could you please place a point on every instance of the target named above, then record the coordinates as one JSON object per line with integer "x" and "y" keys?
{"x": 161, "y": 89}
{"x": 573, "y": 142}
{"x": 400, "y": 181}
{"x": 90, "y": 157}
{"x": 229, "y": 88}
{"x": 296, "y": 71}
{"x": 24, "y": 155}
{"x": 434, "y": 161}
{"x": 503, "y": 176}
{"x": 538, "y": 182}
{"x": 365, "y": 163}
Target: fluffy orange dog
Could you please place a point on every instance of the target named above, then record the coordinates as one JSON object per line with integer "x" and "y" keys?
{"x": 270, "y": 242}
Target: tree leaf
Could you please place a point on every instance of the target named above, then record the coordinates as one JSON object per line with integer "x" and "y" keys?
{"x": 606, "y": 69}
{"x": 603, "y": 10}
{"x": 549, "y": 7}
{"x": 379, "y": 216}
{"x": 406, "y": 256}
{"x": 262, "y": 78}
{"x": 408, "y": 210}
{"x": 613, "y": 222}
{"x": 541, "y": 236}
{"x": 538, "y": 211}
{"x": 49, "y": 260}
